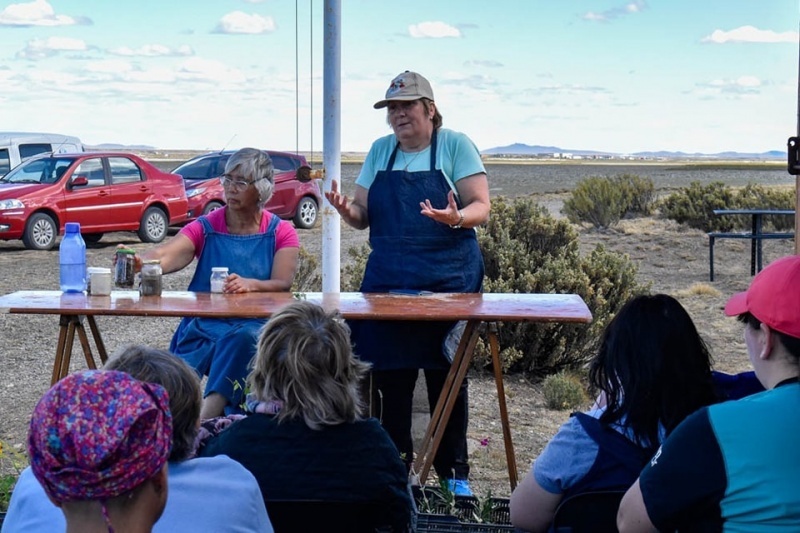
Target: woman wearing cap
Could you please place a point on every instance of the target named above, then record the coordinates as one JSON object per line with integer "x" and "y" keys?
{"x": 421, "y": 192}
{"x": 98, "y": 444}
{"x": 735, "y": 466}
{"x": 261, "y": 253}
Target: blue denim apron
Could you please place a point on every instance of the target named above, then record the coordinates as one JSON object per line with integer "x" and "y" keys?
{"x": 411, "y": 252}
{"x": 222, "y": 348}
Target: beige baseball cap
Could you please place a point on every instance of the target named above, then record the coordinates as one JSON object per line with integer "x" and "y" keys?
{"x": 405, "y": 87}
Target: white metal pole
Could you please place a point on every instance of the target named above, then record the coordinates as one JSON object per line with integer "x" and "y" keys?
{"x": 331, "y": 141}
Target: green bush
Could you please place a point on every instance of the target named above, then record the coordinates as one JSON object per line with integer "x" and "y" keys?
{"x": 695, "y": 205}
{"x": 604, "y": 201}
{"x": 526, "y": 250}
{"x": 307, "y": 278}
{"x": 563, "y": 391}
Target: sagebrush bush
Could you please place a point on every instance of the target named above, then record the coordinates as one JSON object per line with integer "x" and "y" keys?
{"x": 694, "y": 206}
{"x": 563, "y": 391}
{"x": 526, "y": 250}
{"x": 307, "y": 277}
{"x": 604, "y": 201}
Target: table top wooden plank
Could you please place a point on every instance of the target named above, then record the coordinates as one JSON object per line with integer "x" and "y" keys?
{"x": 754, "y": 211}
{"x": 353, "y": 305}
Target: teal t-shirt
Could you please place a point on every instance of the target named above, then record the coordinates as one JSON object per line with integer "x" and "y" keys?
{"x": 456, "y": 156}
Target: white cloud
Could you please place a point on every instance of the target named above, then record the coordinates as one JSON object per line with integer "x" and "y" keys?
{"x": 636, "y": 6}
{"x": 43, "y": 48}
{"x": 433, "y": 30}
{"x": 36, "y": 13}
{"x": 750, "y": 34}
{"x": 240, "y": 22}
{"x": 152, "y": 50}
{"x": 197, "y": 69}
{"x": 743, "y": 86}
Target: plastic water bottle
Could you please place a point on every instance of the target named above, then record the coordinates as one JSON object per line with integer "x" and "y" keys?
{"x": 72, "y": 259}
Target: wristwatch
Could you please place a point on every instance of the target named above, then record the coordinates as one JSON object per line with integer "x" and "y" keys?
{"x": 460, "y": 222}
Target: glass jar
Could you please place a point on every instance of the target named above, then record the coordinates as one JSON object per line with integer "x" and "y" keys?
{"x": 124, "y": 268}
{"x": 98, "y": 281}
{"x": 218, "y": 275}
{"x": 150, "y": 282}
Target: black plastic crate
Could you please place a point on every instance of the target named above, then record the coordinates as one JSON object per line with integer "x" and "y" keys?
{"x": 440, "y": 512}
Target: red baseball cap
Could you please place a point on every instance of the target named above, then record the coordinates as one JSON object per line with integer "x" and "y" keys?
{"x": 773, "y": 297}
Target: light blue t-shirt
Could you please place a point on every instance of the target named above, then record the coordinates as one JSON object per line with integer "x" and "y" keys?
{"x": 206, "y": 495}
{"x": 571, "y": 453}
{"x": 456, "y": 156}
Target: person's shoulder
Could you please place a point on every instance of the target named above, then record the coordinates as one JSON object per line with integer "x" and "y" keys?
{"x": 211, "y": 468}
{"x": 451, "y": 136}
{"x": 382, "y": 142}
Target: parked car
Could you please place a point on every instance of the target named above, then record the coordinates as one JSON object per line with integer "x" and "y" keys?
{"x": 296, "y": 197}
{"x": 103, "y": 191}
{"x": 18, "y": 146}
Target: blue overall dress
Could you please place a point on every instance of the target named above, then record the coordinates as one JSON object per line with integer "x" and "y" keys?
{"x": 411, "y": 252}
{"x": 619, "y": 461}
{"x": 222, "y": 348}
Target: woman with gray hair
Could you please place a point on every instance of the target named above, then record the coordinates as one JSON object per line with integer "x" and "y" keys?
{"x": 260, "y": 251}
{"x": 306, "y": 437}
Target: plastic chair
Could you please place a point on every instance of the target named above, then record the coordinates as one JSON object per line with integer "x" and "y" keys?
{"x": 292, "y": 516}
{"x": 590, "y": 512}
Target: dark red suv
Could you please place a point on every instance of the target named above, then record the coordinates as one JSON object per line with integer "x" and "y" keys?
{"x": 295, "y": 197}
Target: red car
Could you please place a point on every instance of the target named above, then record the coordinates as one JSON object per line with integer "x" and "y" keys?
{"x": 295, "y": 197}
{"x": 103, "y": 191}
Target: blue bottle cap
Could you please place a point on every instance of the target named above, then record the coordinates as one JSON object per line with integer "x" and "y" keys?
{"x": 72, "y": 227}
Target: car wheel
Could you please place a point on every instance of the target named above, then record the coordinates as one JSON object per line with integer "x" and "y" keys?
{"x": 153, "y": 227}
{"x": 92, "y": 238}
{"x": 306, "y": 215}
{"x": 212, "y": 206}
{"x": 40, "y": 232}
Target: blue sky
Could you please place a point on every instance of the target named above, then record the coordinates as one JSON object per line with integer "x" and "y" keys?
{"x": 610, "y": 75}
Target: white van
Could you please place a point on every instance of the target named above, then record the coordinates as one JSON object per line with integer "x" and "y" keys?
{"x": 17, "y": 146}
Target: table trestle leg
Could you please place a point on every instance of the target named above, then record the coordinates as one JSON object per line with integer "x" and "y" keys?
{"x": 501, "y": 401}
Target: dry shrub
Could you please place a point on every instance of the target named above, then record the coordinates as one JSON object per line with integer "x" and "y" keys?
{"x": 604, "y": 201}
{"x": 700, "y": 289}
{"x": 307, "y": 278}
{"x": 694, "y": 206}
{"x": 563, "y": 391}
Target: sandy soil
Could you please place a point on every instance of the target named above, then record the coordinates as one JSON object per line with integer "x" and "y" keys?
{"x": 672, "y": 258}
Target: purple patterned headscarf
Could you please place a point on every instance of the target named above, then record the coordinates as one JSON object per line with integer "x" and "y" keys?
{"x": 98, "y": 434}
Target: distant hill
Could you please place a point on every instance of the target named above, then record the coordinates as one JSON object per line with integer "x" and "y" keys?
{"x": 519, "y": 149}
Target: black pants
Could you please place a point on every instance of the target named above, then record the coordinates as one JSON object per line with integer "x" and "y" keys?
{"x": 393, "y": 394}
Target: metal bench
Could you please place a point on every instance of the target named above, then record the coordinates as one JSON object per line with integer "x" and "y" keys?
{"x": 756, "y": 262}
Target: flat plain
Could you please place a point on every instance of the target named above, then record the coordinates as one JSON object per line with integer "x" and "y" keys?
{"x": 673, "y": 259}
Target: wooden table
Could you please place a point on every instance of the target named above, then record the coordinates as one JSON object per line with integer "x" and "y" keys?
{"x": 756, "y": 235}
{"x": 476, "y": 309}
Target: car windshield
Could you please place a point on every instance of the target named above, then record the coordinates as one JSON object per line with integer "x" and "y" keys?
{"x": 44, "y": 170}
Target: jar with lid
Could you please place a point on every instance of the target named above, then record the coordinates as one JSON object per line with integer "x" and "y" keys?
{"x": 98, "y": 281}
{"x": 218, "y": 275}
{"x": 150, "y": 282}
{"x": 124, "y": 268}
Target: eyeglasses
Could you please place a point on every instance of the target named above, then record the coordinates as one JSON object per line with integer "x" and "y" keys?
{"x": 237, "y": 185}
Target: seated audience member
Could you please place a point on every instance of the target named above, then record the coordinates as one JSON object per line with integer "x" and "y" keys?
{"x": 652, "y": 370}
{"x": 305, "y": 438}
{"x": 211, "y": 495}
{"x": 735, "y": 466}
{"x": 98, "y": 444}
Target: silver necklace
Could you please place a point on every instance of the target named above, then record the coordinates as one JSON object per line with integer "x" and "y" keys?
{"x": 409, "y": 161}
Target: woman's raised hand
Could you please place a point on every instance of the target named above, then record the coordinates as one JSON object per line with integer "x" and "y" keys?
{"x": 449, "y": 215}
{"x": 338, "y": 201}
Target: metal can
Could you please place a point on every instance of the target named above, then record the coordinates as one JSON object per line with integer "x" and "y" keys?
{"x": 150, "y": 282}
{"x": 125, "y": 268}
